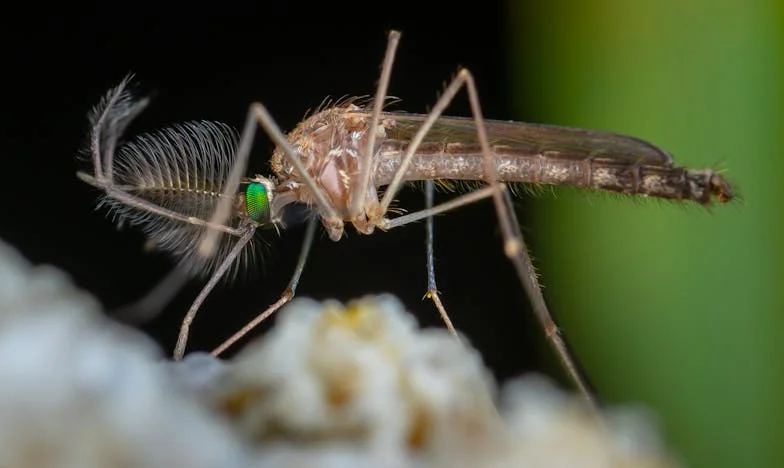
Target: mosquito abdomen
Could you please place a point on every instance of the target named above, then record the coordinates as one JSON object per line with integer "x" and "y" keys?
{"x": 457, "y": 161}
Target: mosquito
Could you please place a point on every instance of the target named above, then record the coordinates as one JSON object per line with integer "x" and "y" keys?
{"x": 185, "y": 185}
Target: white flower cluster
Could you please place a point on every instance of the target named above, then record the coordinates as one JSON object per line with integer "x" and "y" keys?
{"x": 329, "y": 386}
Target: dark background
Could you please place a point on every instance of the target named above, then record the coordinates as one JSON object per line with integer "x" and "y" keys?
{"x": 203, "y": 62}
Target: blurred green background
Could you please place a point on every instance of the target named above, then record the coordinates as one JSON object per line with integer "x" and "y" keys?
{"x": 673, "y": 306}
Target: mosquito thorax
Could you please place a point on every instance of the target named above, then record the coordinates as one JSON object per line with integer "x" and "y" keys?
{"x": 331, "y": 144}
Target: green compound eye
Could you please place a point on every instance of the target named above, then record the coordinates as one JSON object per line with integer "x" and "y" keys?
{"x": 257, "y": 202}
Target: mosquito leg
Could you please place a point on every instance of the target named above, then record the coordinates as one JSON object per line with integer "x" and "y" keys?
{"x": 527, "y": 274}
{"x": 522, "y": 264}
{"x": 182, "y": 338}
{"x": 366, "y": 164}
{"x": 287, "y": 295}
{"x": 432, "y": 290}
{"x": 517, "y": 252}
{"x": 386, "y": 224}
{"x": 514, "y": 246}
{"x": 525, "y": 270}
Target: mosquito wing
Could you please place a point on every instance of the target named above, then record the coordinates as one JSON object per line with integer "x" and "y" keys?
{"x": 530, "y": 138}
